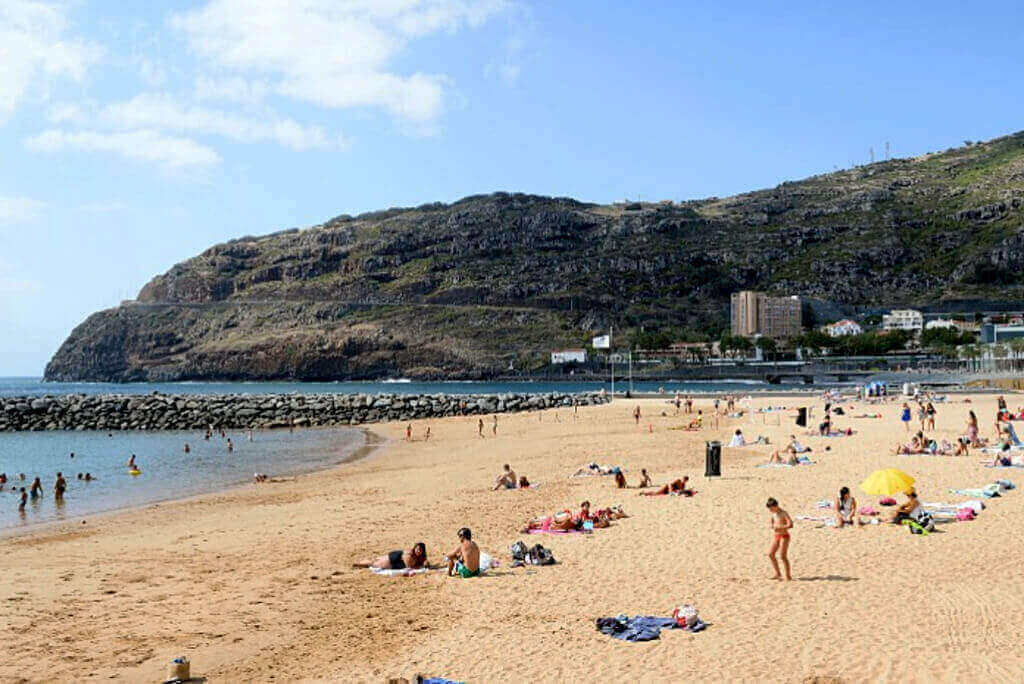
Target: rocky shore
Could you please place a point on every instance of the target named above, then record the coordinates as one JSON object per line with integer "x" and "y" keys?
{"x": 242, "y": 411}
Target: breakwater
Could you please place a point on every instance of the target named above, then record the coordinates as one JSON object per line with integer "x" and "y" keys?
{"x": 242, "y": 411}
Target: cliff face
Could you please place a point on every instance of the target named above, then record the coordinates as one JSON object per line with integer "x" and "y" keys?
{"x": 472, "y": 288}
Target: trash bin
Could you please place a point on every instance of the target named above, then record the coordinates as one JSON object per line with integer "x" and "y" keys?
{"x": 713, "y": 459}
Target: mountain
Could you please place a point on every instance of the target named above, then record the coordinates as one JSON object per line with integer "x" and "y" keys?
{"x": 493, "y": 282}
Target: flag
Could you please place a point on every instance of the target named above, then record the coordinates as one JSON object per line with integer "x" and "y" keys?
{"x": 602, "y": 342}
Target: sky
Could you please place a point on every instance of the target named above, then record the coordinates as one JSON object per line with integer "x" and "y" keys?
{"x": 135, "y": 135}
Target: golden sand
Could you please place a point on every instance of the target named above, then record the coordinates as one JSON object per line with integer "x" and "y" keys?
{"x": 256, "y": 584}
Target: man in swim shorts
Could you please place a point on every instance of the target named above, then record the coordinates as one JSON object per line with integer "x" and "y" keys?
{"x": 464, "y": 561}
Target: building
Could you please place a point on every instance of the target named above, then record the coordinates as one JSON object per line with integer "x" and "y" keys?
{"x": 910, "y": 320}
{"x": 941, "y": 323}
{"x": 843, "y": 328}
{"x": 745, "y": 306}
{"x": 755, "y": 313}
{"x": 995, "y": 334}
{"x": 569, "y": 356}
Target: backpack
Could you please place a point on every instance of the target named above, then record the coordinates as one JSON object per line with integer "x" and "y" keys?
{"x": 538, "y": 555}
{"x": 518, "y": 551}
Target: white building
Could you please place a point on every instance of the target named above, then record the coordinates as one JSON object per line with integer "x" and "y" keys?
{"x": 569, "y": 356}
{"x": 903, "y": 319}
{"x": 843, "y": 327}
{"x": 941, "y": 323}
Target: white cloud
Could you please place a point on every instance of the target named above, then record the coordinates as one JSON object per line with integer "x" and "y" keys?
{"x": 163, "y": 112}
{"x": 35, "y": 51}
{"x": 333, "y": 54}
{"x": 172, "y": 153}
{"x": 18, "y": 209}
{"x": 231, "y": 89}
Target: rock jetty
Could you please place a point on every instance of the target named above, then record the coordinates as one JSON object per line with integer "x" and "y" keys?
{"x": 242, "y": 411}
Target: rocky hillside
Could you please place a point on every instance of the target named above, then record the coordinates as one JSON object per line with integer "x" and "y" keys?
{"x": 494, "y": 282}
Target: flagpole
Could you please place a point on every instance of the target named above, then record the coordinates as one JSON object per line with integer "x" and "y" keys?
{"x": 631, "y": 369}
{"x": 611, "y": 358}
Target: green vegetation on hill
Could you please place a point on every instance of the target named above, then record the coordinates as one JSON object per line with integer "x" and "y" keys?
{"x": 496, "y": 281}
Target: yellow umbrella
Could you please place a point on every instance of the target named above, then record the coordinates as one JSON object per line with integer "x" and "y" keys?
{"x": 887, "y": 482}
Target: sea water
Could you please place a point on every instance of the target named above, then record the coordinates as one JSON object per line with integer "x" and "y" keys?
{"x": 167, "y": 472}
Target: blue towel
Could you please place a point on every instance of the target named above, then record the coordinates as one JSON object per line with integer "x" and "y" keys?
{"x": 439, "y": 680}
{"x": 641, "y": 627}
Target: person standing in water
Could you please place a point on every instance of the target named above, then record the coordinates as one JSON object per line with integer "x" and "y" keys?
{"x": 24, "y": 500}
{"x": 59, "y": 487}
{"x": 231, "y": 447}
{"x": 36, "y": 490}
{"x": 780, "y": 524}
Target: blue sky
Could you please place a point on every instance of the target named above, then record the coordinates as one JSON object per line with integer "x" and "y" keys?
{"x": 133, "y": 138}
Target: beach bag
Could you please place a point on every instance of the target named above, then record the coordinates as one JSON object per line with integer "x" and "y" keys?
{"x": 924, "y": 521}
{"x": 965, "y": 514}
{"x": 518, "y": 551}
{"x": 538, "y": 555}
{"x": 685, "y": 616}
{"x": 887, "y": 501}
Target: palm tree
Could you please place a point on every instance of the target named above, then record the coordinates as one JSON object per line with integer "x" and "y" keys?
{"x": 1017, "y": 347}
{"x": 971, "y": 352}
{"x": 999, "y": 351}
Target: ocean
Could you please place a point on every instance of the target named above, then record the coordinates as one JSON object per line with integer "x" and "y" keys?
{"x": 167, "y": 472}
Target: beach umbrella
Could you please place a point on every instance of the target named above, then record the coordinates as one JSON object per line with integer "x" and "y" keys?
{"x": 887, "y": 482}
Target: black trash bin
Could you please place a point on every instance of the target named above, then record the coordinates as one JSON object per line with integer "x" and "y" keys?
{"x": 713, "y": 459}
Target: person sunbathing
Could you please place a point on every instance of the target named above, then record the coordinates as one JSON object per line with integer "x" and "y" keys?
{"x": 645, "y": 479}
{"x": 523, "y": 482}
{"x": 790, "y": 457}
{"x": 697, "y": 422}
{"x": 795, "y": 446}
{"x": 737, "y": 439}
{"x": 594, "y": 469}
{"x": 908, "y": 510}
{"x": 413, "y": 559}
{"x": 584, "y": 516}
{"x": 916, "y": 446}
{"x": 674, "y": 487}
{"x": 506, "y": 480}
{"x": 464, "y": 561}
{"x": 846, "y": 508}
{"x": 559, "y": 522}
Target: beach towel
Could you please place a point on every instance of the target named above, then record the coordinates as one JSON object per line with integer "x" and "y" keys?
{"x": 802, "y": 462}
{"x": 641, "y": 627}
{"x": 437, "y": 680}
{"x": 554, "y": 532}
{"x": 404, "y": 572}
{"x": 987, "y": 492}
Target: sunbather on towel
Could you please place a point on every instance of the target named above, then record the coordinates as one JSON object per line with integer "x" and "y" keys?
{"x": 559, "y": 522}
{"x": 916, "y": 446}
{"x": 907, "y": 510}
{"x": 675, "y": 487}
{"x": 464, "y": 561}
{"x": 412, "y": 559}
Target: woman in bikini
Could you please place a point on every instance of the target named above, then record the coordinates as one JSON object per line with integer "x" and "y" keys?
{"x": 675, "y": 487}
{"x": 780, "y": 524}
{"x": 846, "y": 509}
{"x": 414, "y": 559}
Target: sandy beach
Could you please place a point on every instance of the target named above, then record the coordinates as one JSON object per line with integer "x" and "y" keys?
{"x": 256, "y": 584}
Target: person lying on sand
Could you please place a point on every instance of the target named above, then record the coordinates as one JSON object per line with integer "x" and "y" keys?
{"x": 413, "y": 559}
{"x": 846, "y": 508}
{"x": 464, "y": 561}
{"x": 674, "y": 487}
{"x": 916, "y": 446}
{"x": 559, "y": 522}
{"x": 788, "y": 457}
{"x": 506, "y": 480}
{"x": 565, "y": 521}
